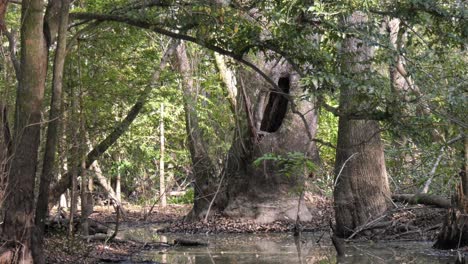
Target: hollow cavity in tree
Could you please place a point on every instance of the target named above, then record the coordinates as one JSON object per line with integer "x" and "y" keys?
{"x": 277, "y": 106}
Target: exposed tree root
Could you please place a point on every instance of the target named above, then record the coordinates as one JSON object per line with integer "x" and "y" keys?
{"x": 9, "y": 252}
{"x": 454, "y": 233}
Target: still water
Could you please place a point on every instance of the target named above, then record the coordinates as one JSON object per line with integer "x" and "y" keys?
{"x": 279, "y": 248}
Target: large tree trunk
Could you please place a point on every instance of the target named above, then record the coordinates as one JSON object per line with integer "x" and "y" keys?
{"x": 269, "y": 122}
{"x": 361, "y": 185}
{"x": 18, "y": 222}
{"x": 203, "y": 168}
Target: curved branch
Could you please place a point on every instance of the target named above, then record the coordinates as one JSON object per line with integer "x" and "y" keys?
{"x": 62, "y": 185}
{"x": 144, "y": 24}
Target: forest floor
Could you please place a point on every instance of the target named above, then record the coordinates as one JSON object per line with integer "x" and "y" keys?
{"x": 405, "y": 222}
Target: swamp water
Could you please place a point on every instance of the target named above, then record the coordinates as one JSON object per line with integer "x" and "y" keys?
{"x": 277, "y": 248}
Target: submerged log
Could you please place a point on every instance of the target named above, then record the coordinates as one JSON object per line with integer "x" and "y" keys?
{"x": 189, "y": 243}
{"x": 422, "y": 198}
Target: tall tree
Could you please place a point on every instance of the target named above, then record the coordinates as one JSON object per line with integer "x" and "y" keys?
{"x": 66, "y": 181}
{"x": 361, "y": 185}
{"x": 18, "y": 222}
{"x": 52, "y": 138}
{"x": 203, "y": 167}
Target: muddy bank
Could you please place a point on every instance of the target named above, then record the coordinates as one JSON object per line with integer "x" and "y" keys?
{"x": 405, "y": 222}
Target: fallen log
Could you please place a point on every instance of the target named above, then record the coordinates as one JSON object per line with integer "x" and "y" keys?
{"x": 57, "y": 223}
{"x": 189, "y": 243}
{"x": 142, "y": 245}
{"x": 422, "y": 198}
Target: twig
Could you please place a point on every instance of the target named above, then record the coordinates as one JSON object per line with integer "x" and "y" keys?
{"x": 341, "y": 170}
{"x": 216, "y": 193}
{"x": 366, "y": 226}
{"x": 431, "y": 174}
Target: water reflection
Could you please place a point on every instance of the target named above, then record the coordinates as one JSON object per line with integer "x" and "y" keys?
{"x": 279, "y": 248}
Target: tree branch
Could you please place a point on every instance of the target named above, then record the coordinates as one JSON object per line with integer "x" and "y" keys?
{"x": 156, "y": 28}
{"x": 12, "y": 47}
{"x": 120, "y": 129}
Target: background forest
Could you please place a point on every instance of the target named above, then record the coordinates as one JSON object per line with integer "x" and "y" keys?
{"x": 121, "y": 94}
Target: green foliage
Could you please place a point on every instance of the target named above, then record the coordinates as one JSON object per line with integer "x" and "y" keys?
{"x": 110, "y": 66}
{"x": 187, "y": 198}
{"x": 292, "y": 164}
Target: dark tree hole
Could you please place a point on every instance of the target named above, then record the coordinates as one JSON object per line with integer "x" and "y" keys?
{"x": 275, "y": 111}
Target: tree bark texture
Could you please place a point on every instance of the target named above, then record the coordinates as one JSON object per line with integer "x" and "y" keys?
{"x": 3, "y": 9}
{"x": 267, "y": 124}
{"x": 203, "y": 167}
{"x": 361, "y": 184}
{"x": 86, "y": 195}
{"x": 5, "y": 149}
{"x": 228, "y": 78}
{"x": 18, "y": 222}
{"x": 49, "y": 162}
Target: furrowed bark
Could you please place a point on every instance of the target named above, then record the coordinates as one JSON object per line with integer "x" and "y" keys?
{"x": 361, "y": 184}
{"x": 18, "y": 222}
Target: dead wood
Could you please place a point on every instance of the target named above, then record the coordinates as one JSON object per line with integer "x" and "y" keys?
{"x": 421, "y": 198}
{"x": 454, "y": 232}
{"x": 94, "y": 226}
{"x": 141, "y": 245}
